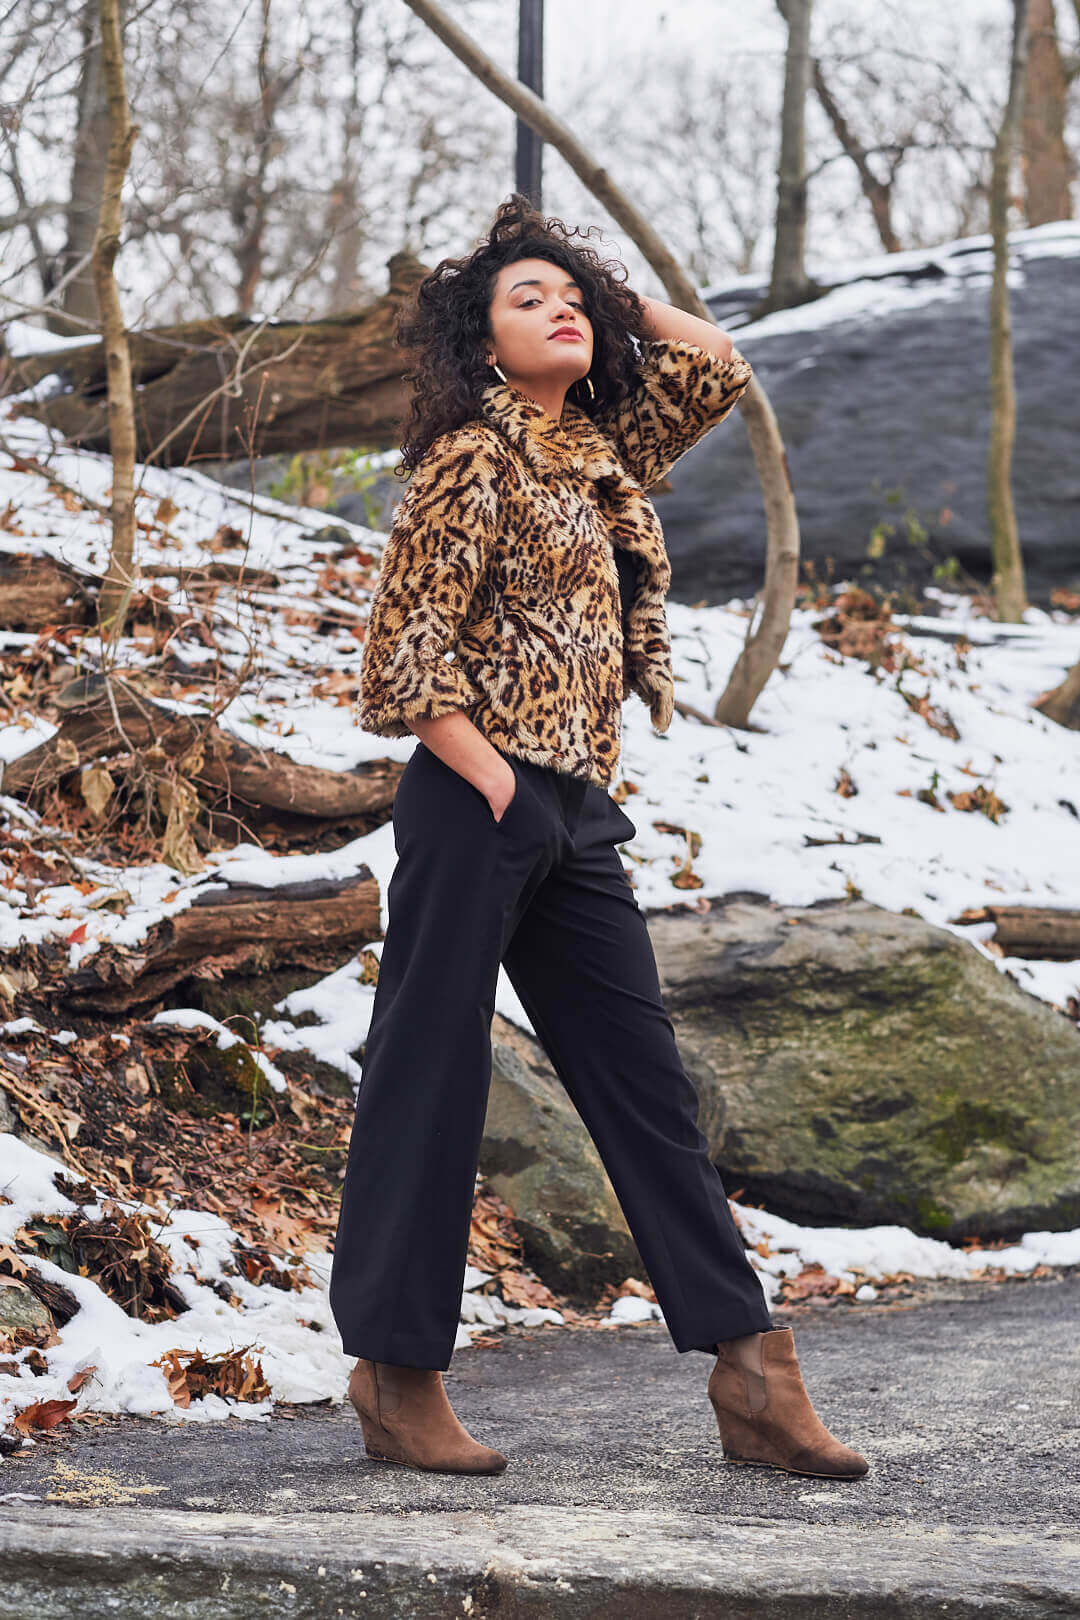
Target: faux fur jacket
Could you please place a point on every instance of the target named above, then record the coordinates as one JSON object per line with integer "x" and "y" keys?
{"x": 498, "y": 591}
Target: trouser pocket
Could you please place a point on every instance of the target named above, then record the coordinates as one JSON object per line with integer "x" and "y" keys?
{"x": 515, "y": 800}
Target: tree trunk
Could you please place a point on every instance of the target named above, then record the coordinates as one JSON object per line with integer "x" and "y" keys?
{"x": 764, "y": 645}
{"x": 1063, "y": 703}
{"x": 790, "y": 283}
{"x": 39, "y": 591}
{"x": 120, "y": 579}
{"x": 345, "y": 226}
{"x": 96, "y": 723}
{"x": 1010, "y": 595}
{"x": 87, "y": 185}
{"x": 781, "y": 568}
{"x": 250, "y": 204}
{"x": 1047, "y": 166}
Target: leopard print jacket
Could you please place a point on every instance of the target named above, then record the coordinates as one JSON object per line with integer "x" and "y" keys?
{"x": 498, "y": 591}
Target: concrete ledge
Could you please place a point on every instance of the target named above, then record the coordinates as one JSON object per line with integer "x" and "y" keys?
{"x": 519, "y": 1563}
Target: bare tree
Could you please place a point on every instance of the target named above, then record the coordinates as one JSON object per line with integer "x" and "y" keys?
{"x": 119, "y": 579}
{"x": 346, "y": 224}
{"x": 285, "y": 178}
{"x": 762, "y": 650}
{"x": 249, "y": 197}
{"x": 877, "y": 192}
{"x": 286, "y": 153}
{"x": 913, "y": 119}
{"x": 1047, "y": 165}
{"x": 1010, "y": 595}
{"x": 698, "y": 161}
{"x": 34, "y": 60}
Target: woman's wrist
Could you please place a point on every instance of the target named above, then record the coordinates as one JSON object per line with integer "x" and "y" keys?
{"x": 458, "y": 743}
{"x": 677, "y": 325}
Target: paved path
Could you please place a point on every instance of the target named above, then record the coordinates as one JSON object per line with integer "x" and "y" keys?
{"x": 617, "y": 1500}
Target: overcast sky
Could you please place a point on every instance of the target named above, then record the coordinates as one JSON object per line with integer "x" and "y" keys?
{"x": 727, "y": 26}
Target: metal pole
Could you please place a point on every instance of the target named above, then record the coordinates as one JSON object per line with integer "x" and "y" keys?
{"x": 530, "y": 148}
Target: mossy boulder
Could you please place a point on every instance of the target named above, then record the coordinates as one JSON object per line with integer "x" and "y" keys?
{"x": 23, "y": 1317}
{"x": 855, "y": 1065}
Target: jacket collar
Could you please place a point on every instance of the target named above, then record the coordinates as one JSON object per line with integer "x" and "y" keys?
{"x": 569, "y": 444}
{"x": 574, "y": 444}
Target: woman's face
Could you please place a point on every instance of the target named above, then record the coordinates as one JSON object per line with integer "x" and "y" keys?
{"x": 532, "y": 301}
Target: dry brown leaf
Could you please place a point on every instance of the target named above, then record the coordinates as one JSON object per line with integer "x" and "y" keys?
{"x": 811, "y": 1283}
{"x": 233, "y": 1374}
{"x": 982, "y": 799}
{"x": 43, "y": 1415}
{"x": 639, "y": 1290}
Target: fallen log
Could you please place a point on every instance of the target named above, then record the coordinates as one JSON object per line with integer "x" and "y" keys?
{"x": 230, "y": 930}
{"x": 36, "y": 591}
{"x": 228, "y": 772}
{"x": 1037, "y": 933}
{"x": 291, "y": 386}
{"x": 212, "y": 575}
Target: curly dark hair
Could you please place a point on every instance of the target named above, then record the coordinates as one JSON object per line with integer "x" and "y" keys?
{"x": 447, "y": 320}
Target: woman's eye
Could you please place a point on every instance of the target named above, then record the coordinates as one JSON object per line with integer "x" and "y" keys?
{"x": 525, "y": 302}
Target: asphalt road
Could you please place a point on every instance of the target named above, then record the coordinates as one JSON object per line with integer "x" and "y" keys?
{"x": 968, "y": 1407}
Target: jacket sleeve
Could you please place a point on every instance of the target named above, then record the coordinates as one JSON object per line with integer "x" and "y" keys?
{"x": 439, "y": 544}
{"x": 682, "y": 392}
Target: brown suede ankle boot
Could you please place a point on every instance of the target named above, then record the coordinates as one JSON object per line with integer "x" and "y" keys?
{"x": 764, "y": 1413}
{"x": 406, "y": 1417}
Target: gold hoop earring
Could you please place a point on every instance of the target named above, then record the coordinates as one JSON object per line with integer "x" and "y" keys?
{"x": 497, "y": 370}
{"x": 592, "y": 390}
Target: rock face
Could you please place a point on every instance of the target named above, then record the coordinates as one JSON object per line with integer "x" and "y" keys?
{"x": 853, "y": 1067}
{"x": 881, "y": 390}
{"x": 858, "y": 1066}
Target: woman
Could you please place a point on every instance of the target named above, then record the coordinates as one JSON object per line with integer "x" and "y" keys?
{"x": 520, "y": 600}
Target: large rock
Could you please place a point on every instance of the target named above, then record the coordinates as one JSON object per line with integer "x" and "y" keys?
{"x": 853, "y": 1066}
{"x": 882, "y": 393}
{"x": 858, "y": 1066}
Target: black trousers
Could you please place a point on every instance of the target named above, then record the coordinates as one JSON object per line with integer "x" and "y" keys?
{"x": 542, "y": 890}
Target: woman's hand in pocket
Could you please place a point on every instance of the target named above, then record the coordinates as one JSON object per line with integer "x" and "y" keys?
{"x": 455, "y": 740}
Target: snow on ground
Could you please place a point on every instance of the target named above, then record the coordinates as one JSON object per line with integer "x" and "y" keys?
{"x": 752, "y": 798}
{"x": 291, "y": 1332}
{"x": 884, "y": 284}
